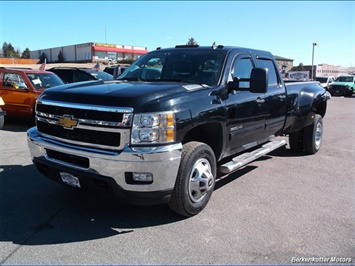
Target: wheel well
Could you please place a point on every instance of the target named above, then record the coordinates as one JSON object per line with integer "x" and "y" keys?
{"x": 210, "y": 133}
{"x": 321, "y": 109}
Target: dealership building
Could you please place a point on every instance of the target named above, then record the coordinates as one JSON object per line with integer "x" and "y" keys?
{"x": 91, "y": 52}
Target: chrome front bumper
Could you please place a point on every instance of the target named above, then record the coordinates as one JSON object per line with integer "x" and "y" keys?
{"x": 160, "y": 161}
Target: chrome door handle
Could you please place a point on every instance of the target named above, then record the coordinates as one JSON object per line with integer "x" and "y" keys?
{"x": 259, "y": 100}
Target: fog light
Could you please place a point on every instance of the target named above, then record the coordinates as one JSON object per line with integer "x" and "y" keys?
{"x": 142, "y": 177}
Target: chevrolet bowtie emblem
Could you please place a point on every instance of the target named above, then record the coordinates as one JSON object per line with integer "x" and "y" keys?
{"x": 68, "y": 122}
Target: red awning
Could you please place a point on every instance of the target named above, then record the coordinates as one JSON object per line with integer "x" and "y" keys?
{"x": 119, "y": 50}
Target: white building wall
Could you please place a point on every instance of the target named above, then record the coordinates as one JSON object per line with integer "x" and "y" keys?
{"x": 54, "y": 54}
{"x": 331, "y": 70}
{"x": 69, "y": 53}
{"x": 83, "y": 52}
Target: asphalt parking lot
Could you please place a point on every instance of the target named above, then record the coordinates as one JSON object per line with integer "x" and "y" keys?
{"x": 284, "y": 208}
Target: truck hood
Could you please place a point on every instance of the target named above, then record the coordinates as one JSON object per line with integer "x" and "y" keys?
{"x": 137, "y": 95}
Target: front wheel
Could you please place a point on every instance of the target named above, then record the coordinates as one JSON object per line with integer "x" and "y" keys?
{"x": 312, "y": 135}
{"x": 195, "y": 180}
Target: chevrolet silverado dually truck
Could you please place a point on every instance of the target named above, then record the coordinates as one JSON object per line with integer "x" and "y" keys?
{"x": 175, "y": 120}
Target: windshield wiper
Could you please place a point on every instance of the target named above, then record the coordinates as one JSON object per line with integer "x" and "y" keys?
{"x": 132, "y": 79}
{"x": 176, "y": 80}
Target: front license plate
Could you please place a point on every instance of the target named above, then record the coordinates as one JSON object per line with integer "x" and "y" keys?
{"x": 70, "y": 179}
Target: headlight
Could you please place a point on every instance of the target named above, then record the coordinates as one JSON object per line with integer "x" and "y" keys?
{"x": 153, "y": 128}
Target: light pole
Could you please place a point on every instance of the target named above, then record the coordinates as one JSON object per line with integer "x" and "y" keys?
{"x": 314, "y": 44}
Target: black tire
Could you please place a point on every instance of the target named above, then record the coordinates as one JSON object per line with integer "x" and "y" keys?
{"x": 348, "y": 94}
{"x": 195, "y": 180}
{"x": 295, "y": 140}
{"x": 2, "y": 120}
{"x": 312, "y": 136}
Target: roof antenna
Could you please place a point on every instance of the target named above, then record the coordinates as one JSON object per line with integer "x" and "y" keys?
{"x": 214, "y": 46}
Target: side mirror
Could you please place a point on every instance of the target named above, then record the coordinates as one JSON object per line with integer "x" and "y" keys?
{"x": 259, "y": 80}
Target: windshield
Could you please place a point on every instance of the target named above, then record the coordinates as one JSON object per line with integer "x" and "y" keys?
{"x": 191, "y": 66}
{"x": 322, "y": 80}
{"x": 44, "y": 80}
{"x": 345, "y": 79}
{"x": 99, "y": 74}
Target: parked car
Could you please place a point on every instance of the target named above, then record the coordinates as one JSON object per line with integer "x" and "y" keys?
{"x": 2, "y": 114}
{"x": 115, "y": 71}
{"x": 72, "y": 74}
{"x": 98, "y": 74}
{"x": 20, "y": 88}
{"x": 343, "y": 86}
{"x": 325, "y": 81}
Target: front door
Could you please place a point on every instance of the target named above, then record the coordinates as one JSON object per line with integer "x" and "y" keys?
{"x": 15, "y": 93}
{"x": 245, "y": 110}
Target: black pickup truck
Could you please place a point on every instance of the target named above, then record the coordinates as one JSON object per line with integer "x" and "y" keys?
{"x": 175, "y": 120}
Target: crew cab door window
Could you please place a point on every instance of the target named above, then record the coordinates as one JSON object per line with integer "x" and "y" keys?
{"x": 242, "y": 69}
{"x": 269, "y": 64}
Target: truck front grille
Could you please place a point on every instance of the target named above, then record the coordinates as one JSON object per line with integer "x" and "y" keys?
{"x": 340, "y": 88}
{"x": 85, "y": 125}
{"x": 80, "y": 135}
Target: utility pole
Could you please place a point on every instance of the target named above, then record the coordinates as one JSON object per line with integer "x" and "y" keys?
{"x": 314, "y": 44}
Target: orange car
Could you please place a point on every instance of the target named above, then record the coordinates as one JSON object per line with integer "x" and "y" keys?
{"x": 19, "y": 89}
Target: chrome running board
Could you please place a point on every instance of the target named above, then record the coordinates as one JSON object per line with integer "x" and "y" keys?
{"x": 248, "y": 157}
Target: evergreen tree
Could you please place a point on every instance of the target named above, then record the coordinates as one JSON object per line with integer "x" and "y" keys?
{"x": 42, "y": 58}
{"x": 300, "y": 67}
{"x": 60, "y": 57}
{"x": 191, "y": 41}
{"x": 8, "y": 50}
{"x": 26, "y": 54}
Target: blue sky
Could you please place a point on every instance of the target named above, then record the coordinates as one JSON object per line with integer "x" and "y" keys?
{"x": 286, "y": 28}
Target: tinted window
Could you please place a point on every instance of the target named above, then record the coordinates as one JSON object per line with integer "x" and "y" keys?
{"x": 269, "y": 64}
{"x": 65, "y": 75}
{"x": 242, "y": 69}
{"x": 179, "y": 65}
{"x": 82, "y": 76}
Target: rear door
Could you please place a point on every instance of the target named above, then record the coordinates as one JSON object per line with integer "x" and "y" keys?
{"x": 245, "y": 110}
{"x": 275, "y": 98}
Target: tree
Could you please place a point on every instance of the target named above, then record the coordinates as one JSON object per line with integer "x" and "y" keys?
{"x": 60, "y": 57}
{"x": 300, "y": 67}
{"x": 18, "y": 53}
{"x": 191, "y": 41}
{"x": 42, "y": 58}
{"x": 9, "y": 50}
{"x": 26, "y": 54}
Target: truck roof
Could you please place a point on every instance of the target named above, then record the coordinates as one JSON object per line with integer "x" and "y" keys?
{"x": 215, "y": 47}
{"x": 24, "y": 70}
